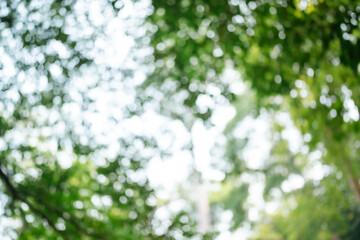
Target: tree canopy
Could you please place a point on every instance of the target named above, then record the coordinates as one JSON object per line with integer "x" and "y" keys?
{"x": 63, "y": 178}
{"x": 298, "y": 57}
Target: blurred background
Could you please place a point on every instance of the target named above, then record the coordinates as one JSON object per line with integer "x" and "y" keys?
{"x": 179, "y": 119}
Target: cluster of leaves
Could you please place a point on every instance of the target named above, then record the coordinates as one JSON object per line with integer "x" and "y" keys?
{"x": 79, "y": 202}
{"x": 298, "y": 56}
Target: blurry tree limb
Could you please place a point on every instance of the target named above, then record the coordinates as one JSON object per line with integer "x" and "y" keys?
{"x": 68, "y": 218}
{"x": 16, "y": 196}
{"x": 352, "y": 178}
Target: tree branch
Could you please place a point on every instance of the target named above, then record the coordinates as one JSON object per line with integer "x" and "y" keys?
{"x": 352, "y": 178}
{"x": 16, "y": 196}
{"x": 69, "y": 219}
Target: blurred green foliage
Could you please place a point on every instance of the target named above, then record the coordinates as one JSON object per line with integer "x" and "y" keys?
{"x": 47, "y": 50}
{"x": 300, "y": 57}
